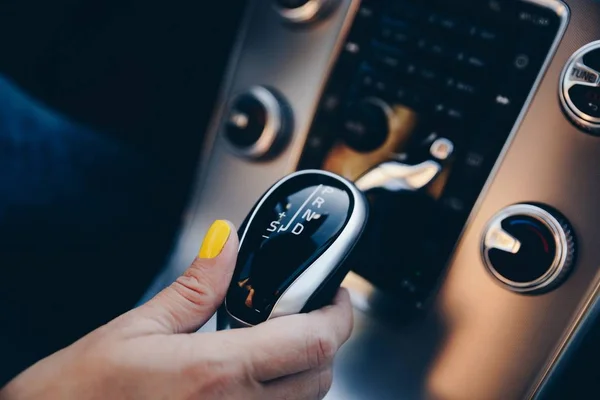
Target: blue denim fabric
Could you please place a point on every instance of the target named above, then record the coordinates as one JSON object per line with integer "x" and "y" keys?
{"x": 83, "y": 219}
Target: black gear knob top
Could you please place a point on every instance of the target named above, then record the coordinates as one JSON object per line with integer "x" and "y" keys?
{"x": 293, "y": 245}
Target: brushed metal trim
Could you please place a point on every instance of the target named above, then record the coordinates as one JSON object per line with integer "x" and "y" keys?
{"x": 560, "y": 239}
{"x": 578, "y": 117}
{"x": 275, "y": 127}
{"x": 561, "y": 9}
{"x": 294, "y": 298}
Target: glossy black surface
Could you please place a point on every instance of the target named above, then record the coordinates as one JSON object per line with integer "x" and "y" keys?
{"x": 586, "y": 99}
{"x": 365, "y": 126}
{"x": 289, "y": 231}
{"x": 592, "y": 59}
{"x": 535, "y": 256}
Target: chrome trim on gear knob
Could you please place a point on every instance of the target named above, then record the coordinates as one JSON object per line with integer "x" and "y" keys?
{"x": 295, "y": 297}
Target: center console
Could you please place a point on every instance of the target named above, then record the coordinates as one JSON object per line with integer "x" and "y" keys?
{"x": 427, "y": 80}
{"x": 478, "y": 265}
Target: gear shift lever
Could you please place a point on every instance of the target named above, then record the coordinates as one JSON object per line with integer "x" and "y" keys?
{"x": 292, "y": 248}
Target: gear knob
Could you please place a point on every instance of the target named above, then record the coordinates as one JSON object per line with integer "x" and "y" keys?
{"x": 292, "y": 248}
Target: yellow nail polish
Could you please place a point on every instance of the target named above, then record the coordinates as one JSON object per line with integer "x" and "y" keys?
{"x": 215, "y": 240}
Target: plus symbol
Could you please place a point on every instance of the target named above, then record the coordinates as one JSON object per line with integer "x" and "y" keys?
{"x": 281, "y": 215}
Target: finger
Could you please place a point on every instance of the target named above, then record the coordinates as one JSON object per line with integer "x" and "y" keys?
{"x": 194, "y": 297}
{"x": 291, "y": 344}
{"x": 308, "y": 385}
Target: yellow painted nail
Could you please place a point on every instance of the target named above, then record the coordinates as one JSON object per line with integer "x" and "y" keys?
{"x": 215, "y": 240}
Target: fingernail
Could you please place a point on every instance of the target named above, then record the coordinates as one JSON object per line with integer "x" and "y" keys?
{"x": 215, "y": 240}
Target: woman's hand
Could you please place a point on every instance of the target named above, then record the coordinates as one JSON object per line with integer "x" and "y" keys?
{"x": 152, "y": 353}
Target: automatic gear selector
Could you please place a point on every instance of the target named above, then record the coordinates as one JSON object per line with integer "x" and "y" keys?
{"x": 292, "y": 248}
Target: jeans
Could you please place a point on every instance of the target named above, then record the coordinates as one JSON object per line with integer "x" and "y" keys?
{"x": 85, "y": 223}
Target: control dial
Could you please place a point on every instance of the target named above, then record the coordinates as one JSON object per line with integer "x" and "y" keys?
{"x": 529, "y": 248}
{"x": 302, "y": 11}
{"x": 580, "y": 88}
{"x": 366, "y": 124}
{"x": 258, "y": 124}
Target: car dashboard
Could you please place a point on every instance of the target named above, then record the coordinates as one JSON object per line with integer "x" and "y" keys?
{"x": 477, "y": 279}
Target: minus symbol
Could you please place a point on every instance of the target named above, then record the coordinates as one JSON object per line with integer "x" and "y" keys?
{"x": 266, "y": 237}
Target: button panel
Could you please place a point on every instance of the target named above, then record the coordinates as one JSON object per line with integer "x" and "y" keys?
{"x": 529, "y": 248}
{"x": 580, "y": 88}
{"x": 258, "y": 124}
{"x": 460, "y": 68}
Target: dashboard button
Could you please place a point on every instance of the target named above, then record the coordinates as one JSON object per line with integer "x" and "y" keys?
{"x": 258, "y": 124}
{"x": 367, "y": 124}
{"x": 580, "y": 88}
{"x": 529, "y": 248}
{"x": 442, "y": 149}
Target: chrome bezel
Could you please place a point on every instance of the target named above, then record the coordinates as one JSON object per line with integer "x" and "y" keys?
{"x": 274, "y": 129}
{"x": 560, "y": 239}
{"x": 578, "y": 117}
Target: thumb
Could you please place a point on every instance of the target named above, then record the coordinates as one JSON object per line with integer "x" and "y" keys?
{"x": 190, "y": 301}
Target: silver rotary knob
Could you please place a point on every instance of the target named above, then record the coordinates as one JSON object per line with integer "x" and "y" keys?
{"x": 258, "y": 124}
{"x": 580, "y": 88}
{"x": 529, "y": 248}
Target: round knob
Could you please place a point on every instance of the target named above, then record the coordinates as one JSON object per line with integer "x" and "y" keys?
{"x": 258, "y": 124}
{"x": 302, "y": 11}
{"x": 529, "y": 248}
{"x": 366, "y": 124}
{"x": 580, "y": 88}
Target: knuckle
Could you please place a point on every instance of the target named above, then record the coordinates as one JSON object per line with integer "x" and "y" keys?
{"x": 194, "y": 290}
{"x": 321, "y": 349}
{"x": 217, "y": 378}
{"x": 325, "y": 382}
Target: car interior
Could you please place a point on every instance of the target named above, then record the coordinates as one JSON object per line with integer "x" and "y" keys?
{"x": 471, "y": 126}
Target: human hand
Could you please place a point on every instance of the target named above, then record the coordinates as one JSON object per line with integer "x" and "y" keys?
{"x": 152, "y": 351}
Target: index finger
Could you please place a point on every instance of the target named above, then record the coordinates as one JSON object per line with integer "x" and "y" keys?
{"x": 292, "y": 344}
